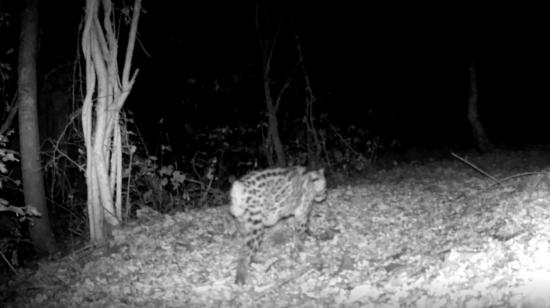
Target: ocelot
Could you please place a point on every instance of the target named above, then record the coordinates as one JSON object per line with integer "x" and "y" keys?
{"x": 260, "y": 199}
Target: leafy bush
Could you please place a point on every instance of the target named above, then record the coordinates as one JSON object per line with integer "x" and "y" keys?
{"x": 166, "y": 188}
{"x": 12, "y": 218}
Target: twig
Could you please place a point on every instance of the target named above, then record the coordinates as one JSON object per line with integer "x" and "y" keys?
{"x": 205, "y": 193}
{"x": 130, "y": 162}
{"x": 293, "y": 276}
{"x": 344, "y": 140}
{"x": 8, "y": 263}
{"x": 496, "y": 181}
{"x": 464, "y": 160}
{"x": 11, "y": 115}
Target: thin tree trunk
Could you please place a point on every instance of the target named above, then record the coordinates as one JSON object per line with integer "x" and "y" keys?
{"x": 31, "y": 169}
{"x": 273, "y": 141}
{"x": 314, "y": 146}
{"x": 273, "y": 126}
{"x": 481, "y": 139}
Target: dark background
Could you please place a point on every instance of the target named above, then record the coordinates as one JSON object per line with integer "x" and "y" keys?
{"x": 399, "y": 70}
{"x": 405, "y": 63}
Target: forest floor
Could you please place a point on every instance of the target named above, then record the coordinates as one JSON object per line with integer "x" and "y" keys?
{"x": 436, "y": 234}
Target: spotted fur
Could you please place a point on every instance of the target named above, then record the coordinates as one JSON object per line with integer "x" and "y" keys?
{"x": 260, "y": 199}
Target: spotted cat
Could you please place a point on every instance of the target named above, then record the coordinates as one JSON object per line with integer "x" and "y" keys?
{"x": 260, "y": 199}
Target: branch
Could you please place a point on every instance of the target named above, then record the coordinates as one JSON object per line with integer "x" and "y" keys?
{"x": 9, "y": 119}
{"x": 287, "y": 83}
{"x": 309, "y": 89}
{"x": 464, "y": 160}
{"x": 131, "y": 45}
{"x": 271, "y": 47}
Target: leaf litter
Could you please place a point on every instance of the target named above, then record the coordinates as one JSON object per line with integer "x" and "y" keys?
{"x": 427, "y": 235}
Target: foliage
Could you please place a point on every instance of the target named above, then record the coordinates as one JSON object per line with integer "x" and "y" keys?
{"x": 13, "y": 216}
{"x": 356, "y": 149}
{"x": 7, "y": 56}
{"x": 165, "y": 188}
{"x": 6, "y": 156}
{"x": 13, "y": 219}
{"x": 200, "y": 174}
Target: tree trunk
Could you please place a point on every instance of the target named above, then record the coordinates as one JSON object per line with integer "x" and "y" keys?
{"x": 106, "y": 92}
{"x": 31, "y": 169}
{"x": 481, "y": 139}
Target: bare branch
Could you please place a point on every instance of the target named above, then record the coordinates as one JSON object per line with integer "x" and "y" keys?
{"x": 286, "y": 84}
{"x": 131, "y": 45}
{"x": 11, "y": 115}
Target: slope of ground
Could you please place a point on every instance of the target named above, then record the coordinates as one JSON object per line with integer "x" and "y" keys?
{"x": 433, "y": 235}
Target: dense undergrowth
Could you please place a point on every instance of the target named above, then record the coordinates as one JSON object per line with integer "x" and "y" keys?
{"x": 163, "y": 178}
{"x": 422, "y": 234}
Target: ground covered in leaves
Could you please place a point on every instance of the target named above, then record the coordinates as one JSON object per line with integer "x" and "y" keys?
{"x": 436, "y": 234}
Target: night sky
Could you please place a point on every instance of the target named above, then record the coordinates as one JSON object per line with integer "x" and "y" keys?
{"x": 407, "y": 64}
